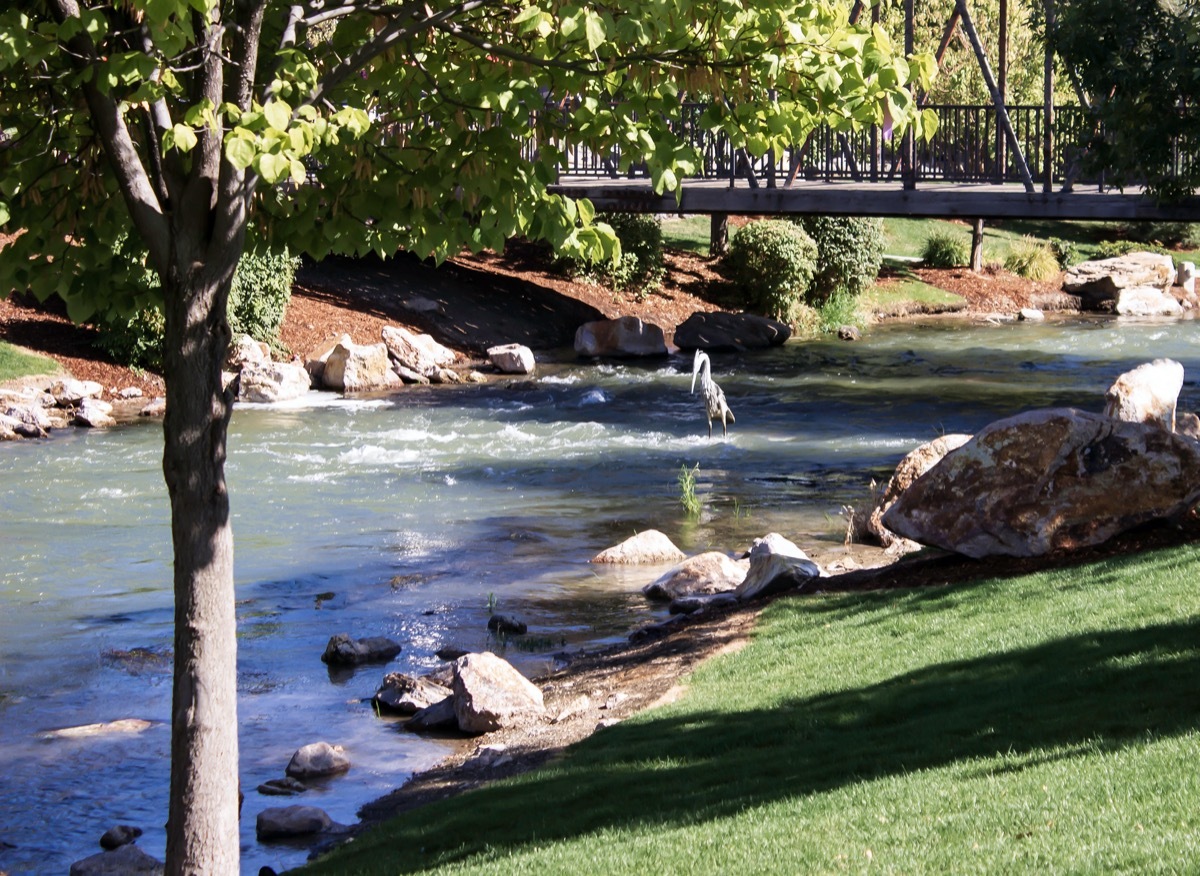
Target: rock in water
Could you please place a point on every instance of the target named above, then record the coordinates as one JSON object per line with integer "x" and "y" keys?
{"x": 650, "y": 546}
{"x": 318, "y": 759}
{"x": 1147, "y": 394}
{"x": 704, "y": 574}
{"x": 1057, "y": 479}
{"x": 127, "y": 860}
{"x": 489, "y": 694}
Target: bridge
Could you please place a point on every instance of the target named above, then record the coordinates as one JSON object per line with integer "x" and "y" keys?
{"x": 985, "y": 162}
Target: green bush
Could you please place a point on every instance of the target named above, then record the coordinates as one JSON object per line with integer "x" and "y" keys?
{"x": 945, "y": 249}
{"x": 258, "y": 299}
{"x": 772, "y": 264}
{"x": 1111, "y": 248}
{"x": 1167, "y": 235}
{"x": 640, "y": 267}
{"x": 1031, "y": 259}
{"x": 1065, "y": 252}
{"x": 839, "y": 309}
{"x": 849, "y": 254}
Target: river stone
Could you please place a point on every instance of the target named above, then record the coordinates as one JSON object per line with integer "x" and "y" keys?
{"x": 121, "y": 835}
{"x": 69, "y": 391}
{"x": 247, "y": 351}
{"x": 285, "y": 787}
{"x": 94, "y": 413}
{"x": 359, "y": 368}
{"x": 1048, "y": 480}
{"x": 1147, "y": 301}
{"x": 1147, "y": 394}
{"x": 776, "y": 564}
{"x": 127, "y": 860}
{"x": 314, "y": 361}
{"x": 345, "y": 651}
{"x": 282, "y": 822}
{"x": 1187, "y": 278}
{"x": 156, "y": 407}
{"x": 706, "y": 573}
{"x": 415, "y": 352}
{"x": 505, "y": 625}
{"x": 512, "y": 359}
{"x": 911, "y": 467}
{"x": 1098, "y": 282}
{"x": 437, "y": 716}
{"x": 272, "y": 382}
{"x": 649, "y": 546}
{"x": 407, "y": 695}
{"x": 1031, "y": 314}
{"x": 318, "y": 759}
{"x": 730, "y": 332}
{"x": 489, "y": 694}
{"x": 108, "y": 728}
{"x": 624, "y": 336}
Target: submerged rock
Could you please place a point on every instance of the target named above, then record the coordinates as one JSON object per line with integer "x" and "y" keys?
{"x": 345, "y": 651}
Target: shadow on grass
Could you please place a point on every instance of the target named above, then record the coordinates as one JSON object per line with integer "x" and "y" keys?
{"x": 1101, "y": 690}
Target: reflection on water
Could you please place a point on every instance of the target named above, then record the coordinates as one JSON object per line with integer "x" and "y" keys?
{"x": 405, "y": 517}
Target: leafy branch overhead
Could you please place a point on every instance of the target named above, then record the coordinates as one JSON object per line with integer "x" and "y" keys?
{"x": 383, "y": 125}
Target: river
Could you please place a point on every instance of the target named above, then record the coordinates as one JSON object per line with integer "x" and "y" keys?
{"x": 408, "y": 516}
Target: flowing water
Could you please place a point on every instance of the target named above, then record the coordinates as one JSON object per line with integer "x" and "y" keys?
{"x": 409, "y": 516}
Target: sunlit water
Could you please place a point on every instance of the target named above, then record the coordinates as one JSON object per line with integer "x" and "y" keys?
{"x": 405, "y": 516}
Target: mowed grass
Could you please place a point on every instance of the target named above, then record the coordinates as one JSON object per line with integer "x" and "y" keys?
{"x": 1045, "y": 723}
{"x": 15, "y": 362}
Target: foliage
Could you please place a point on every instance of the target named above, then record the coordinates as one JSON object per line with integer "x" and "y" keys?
{"x": 262, "y": 287}
{"x": 1066, "y": 252}
{"x": 15, "y": 362}
{"x": 639, "y": 261}
{"x": 772, "y": 264}
{"x": 849, "y": 253}
{"x": 687, "y": 490}
{"x": 1031, "y": 722}
{"x": 1111, "y": 248}
{"x": 1032, "y": 259}
{"x": 839, "y": 309}
{"x": 945, "y": 249}
{"x": 1144, "y": 87}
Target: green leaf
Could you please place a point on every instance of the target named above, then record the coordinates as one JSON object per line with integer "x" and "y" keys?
{"x": 240, "y": 151}
{"x": 278, "y": 114}
{"x": 183, "y": 137}
{"x": 594, "y": 31}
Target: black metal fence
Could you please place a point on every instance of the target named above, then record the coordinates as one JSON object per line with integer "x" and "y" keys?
{"x": 968, "y": 147}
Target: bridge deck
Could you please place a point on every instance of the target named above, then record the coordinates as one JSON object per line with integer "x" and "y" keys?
{"x": 934, "y": 199}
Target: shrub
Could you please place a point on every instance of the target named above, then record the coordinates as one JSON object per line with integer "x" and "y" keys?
{"x": 772, "y": 263}
{"x": 1065, "y": 252}
{"x": 1031, "y": 259}
{"x": 262, "y": 287}
{"x": 839, "y": 309}
{"x": 849, "y": 254}
{"x": 945, "y": 249}
{"x": 1111, "y": 248}
{"x": 640, "y": 266}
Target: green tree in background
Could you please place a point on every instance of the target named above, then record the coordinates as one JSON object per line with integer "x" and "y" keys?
{"x": 351, "y": 126}
{"x": 1138, "y": 61}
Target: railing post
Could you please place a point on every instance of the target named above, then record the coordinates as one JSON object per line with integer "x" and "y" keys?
{"x": 910, "y": 143}
{"x": 1048, "y": 101}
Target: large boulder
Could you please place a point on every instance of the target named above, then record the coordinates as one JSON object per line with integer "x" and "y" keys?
{"x": 648, "y": 546}
{"x": 911, "y": 467}
{"x": 94, "y": 413}
{"x": 69, "y": 391}
{"x": 776, "y": 564}
{"x": 1048, "y": 480}
{"x": 1147, "y": 301}
{"x": 127, "y": 860}
{"x": 1098, "y": 282}
{"x": 417, "y": 353}
{"x": 489, "y": 694}
{"x": 730, "y": 332}
{"x": 624, "y": 336}
{"x": 246, "y": 351}
{"x": 406, "y": 695}
{"x": 286, "y": 822}
{"x": 1147, "y": 394}
{"x": 512, "y": 359}
{"x": 272, "y": 382}
{"x": 318, "y": 759}
{"x": 314, "y": 361}
{"x": 706, "y": 573}
{"x": 359, "y": 368}
{"x": 342, "y": 650}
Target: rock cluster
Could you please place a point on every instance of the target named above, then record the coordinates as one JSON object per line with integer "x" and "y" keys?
{"x": 33, "y": 412}
{"x": 1135, "y": 284}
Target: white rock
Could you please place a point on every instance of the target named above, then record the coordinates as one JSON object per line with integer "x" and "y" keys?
{"x": 776, "y": 564}
{"x": 1147, "y": 394}
{"x": 489, "y": 694}
{"x": 416, "y": 352}
{"x": 92, "y": 412}
{"x": 358, "y": 368}
{"x": 247, "y": 351}
{"x": 273, "y": 382}
{"x": 318, "y": 759}
{"x": 70, "y": 391}
{"x": 512, "y": 359}
{"x": 706, "y": 573}
{"x": 1031, "y": 314}
{"x": 625, "y": 336}
{"x": 649, "y": 546}
{"x": 1147, "y": 301}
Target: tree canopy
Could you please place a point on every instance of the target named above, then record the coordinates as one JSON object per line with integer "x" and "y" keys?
{"x": 191, "y": 126}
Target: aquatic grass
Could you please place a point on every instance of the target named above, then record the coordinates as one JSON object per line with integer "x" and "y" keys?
{"x": 1046, "y": 722}
{"x": 15, "y": 362}
{"x": 687, "y": 490}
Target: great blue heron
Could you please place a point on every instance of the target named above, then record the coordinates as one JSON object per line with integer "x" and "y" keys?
{"x": 715, "y": 406}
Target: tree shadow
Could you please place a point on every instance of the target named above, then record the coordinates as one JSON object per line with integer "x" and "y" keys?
{"x": 1096, "y": 690}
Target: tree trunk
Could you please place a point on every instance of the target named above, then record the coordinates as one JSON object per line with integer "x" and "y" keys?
{"x": 202, "y": 830}
{"x": 718, "y": 234}
{"x": 977, "y": 246}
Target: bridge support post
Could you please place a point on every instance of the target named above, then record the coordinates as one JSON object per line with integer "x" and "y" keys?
{"x": 977, "y": 246}
{"x": 718, "y": 234}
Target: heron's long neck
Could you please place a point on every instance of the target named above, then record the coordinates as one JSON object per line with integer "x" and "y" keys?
{"x": 706, "y": 369}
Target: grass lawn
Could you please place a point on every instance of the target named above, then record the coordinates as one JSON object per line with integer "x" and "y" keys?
{"x": 1045, "y": 723}
{"x": 15, "y": 362}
